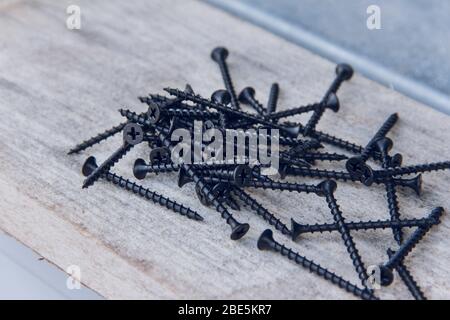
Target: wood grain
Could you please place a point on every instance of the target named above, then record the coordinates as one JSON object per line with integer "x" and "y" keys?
{"x": 58, "y": 87}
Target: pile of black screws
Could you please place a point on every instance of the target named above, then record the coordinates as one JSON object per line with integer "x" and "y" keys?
{"x": 222, "y": 185}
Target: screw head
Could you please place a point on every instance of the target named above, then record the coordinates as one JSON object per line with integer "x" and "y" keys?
{"x": 266, "y": 240}
{"x": 133, "y": 134}
{"x": 386, "y": 276}
{"x": 219, "y": 54}
{"x": 159, "y": 155}
{"x": 153, "y": 113}
{"x": 396, "y": 160}
{"x": 221, "y": 96}
{"x": 345, "y": 71}
{"x": 327, "y": 187}
{"x": 360, "y": 170}
{"x": 239, "y": 231}
{"x": 246, "y": 95}
{"x": 138, "y": 171}
{"x": 242, "y": 174}
{"x": 183, "y": 178}
{"x": 89, "y": 166}
{"x": 384, "y": 144}
{"x": 333, "y": 102}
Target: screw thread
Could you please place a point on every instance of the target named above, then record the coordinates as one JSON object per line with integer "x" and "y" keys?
{"x": 98, "y": 138}
{"x": 384, "y": 129}
{"x": 261, "y": 211}
{"x": 191, "y": 113}
{"x": 394, "y": 210}
{"x": 273, "y": 99}
{"x": 366, "y": 225}
{"x": 413, "y": 240}
{"x": 294, "y": 111}
{"x": 134, "y": 117}
{"x": 322, "y": 272}
{"x": 314, "y": 120}
{"x": 229, "y": 84}
{"x": 346, "y": 236}
{"x": 255, "y": 104}
{"x": 161, "y": 168}
{"x": 151, "y": 195}
{"x": 107, "y": 164}
{"x": 428, "y": 167}
{"x": 274, "y": 185}
{"x": 323, "y": 156}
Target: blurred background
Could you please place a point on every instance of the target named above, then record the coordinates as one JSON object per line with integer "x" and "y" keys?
{"x": 403, "y": 44}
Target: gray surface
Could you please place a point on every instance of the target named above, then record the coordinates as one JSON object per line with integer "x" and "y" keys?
{"x": 25, "y": 275}
{"x": 410, "y": 53}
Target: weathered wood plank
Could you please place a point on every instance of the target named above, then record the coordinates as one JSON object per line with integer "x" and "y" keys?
{"x": 58, "y": 87}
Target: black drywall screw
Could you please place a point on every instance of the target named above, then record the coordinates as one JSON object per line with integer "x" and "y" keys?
{"x": 413, "y": 183}
{"x": 141, "y": 168}
{"x": 132, "y": 135}
{"x": 266, "y": 242}
{"x": 386, "y": 269}
{"x": 273, "y": 99}
{"x": 238, "y": 230}
{"x": 408, "y": 279}
{"x": 291, "y": 187}
{"x": 261, "y": 211}
{"x": 323, "y": 156}
{"x": 331, "y": 103}
{"x": 90, "y": 166}
{"x": 298, "y": 229}
{"x": 247, "y": 96}
{"x": 412, "y": 169}
{"x": 343, "y": 72}
{"x": 384, "y": 145}
{"x": 160, "y": 155}
{"x": 328, "y": 189}
{"x": 220, "y": 55}
{"x": 292, "y": 131}
{"x": 98, "y": 138}
{"x": 308, "y": 145}
{"x": 357, "y": 166}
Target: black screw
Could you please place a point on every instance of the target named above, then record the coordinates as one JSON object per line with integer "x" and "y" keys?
{"x": 90, "y": 166}
{"x": 291, "y": 187}
{"x": 160, "y": 155}
{"x": 141, "y": 168}
{"x": 97, "y": 139}
{"x": 328, "y": 189}
{"x": 261, "y": 211}
{"x": 323, "y": 156}
{"x": 386, "y": 269}
{"x": 239, "y": 176}
{"x": 412, "y": 169}
{"x": 384, "y": 145}
{"x": 247, "y": 96}
{"x": 298, "y": 229}
{"x": 408, "y": 279}
{"x": 331, "y": 103}
{"x": 273, "y": 99}
{"x": 220, "y": 55}
{"x": 292, "y": 131}
{"x": 132, "y": 135}
{"x": 343, "y": 72}
{"x": 266, "y": 242}
{"x": 357, "y": 166}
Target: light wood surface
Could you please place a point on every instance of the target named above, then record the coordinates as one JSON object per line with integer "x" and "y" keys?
{"x": 58, "y": 87}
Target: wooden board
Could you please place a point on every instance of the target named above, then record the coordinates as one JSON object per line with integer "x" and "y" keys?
{"x": 60, "y": 86}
